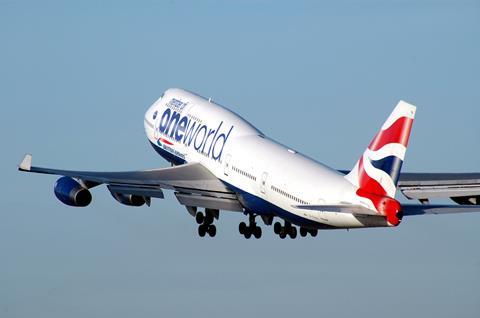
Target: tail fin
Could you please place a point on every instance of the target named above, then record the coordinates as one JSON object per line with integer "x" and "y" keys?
{"x": 377, "y": 171}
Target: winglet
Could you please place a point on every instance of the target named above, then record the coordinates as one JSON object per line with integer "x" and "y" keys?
{"x": 26, "y": 163}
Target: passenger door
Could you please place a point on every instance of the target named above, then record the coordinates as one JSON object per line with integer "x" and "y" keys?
{"x": 226, "y": 169}
{"x": 263, "y": 183}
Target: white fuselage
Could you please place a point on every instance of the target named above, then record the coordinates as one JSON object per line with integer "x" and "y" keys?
{"x": 268, "y": 177}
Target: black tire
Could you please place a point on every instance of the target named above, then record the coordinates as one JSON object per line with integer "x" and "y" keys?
{"x": 313, "y": 233}
{"x": 208, "y": 219}
{"x": 288, "y": 227}
{"x": 242, "y": 227}
{"x": 303, "y": 232}
{"x": 293, "y": 232}
{"x": 248, "y": 234}
{"x": 282, "y": 235}
{"x": 199, "y": 217}
{"x": 277, "y": 228}
{"x": 212, "y": 230}
{"x": 202, "y": 230}
{"x": 257, "y": 232}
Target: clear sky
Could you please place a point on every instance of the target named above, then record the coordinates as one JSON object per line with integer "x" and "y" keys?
{"x": 319, "y": 76}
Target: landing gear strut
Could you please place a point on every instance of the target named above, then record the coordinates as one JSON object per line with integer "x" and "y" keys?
{"x": 205, "y": 222}
{"x": 251, "y": 229}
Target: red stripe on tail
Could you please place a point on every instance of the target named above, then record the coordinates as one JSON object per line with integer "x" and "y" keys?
{"x": 370, "y": 189}
{"x": 398, "y": 132}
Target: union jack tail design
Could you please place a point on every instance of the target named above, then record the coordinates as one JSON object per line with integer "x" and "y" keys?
{"x": 376, "y": 173}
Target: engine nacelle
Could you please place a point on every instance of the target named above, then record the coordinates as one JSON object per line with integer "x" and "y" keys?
{"x": 129, "y": 199}
{"x": 72, "y": 193}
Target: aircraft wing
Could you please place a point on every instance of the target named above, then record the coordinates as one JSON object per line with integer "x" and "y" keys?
{"x": 420, "y": 209}
{"x": 462, "y": 188}
{"x": 193, "y": 184}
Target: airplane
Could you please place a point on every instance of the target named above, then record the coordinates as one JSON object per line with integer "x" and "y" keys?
{"x": 221, "y": 162}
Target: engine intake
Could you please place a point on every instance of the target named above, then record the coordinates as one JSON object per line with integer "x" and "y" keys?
{"x": 72, "y": 193}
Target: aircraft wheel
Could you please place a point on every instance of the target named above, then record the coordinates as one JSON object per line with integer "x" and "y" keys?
{"x": 199, "y": 217}
{"x": 202, "y": 230}
{"x": 242, "y": 227}
{"x": 293, "y": 232}
{"x": 288, "y": 227}
{"x": 212, "y": 230}
{"x": 257, "y": 232}
{"x": 282, "y": 235}
{"x": 277, "y": 228}
{"x": 248, "y": 234}
{"x": 303, "y": 232}
{"x": 208, "y": 218}
{"x": 313, "y": 233}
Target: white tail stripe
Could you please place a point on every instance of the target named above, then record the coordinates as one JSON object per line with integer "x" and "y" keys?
{"x": 397, "y": 150}
{"x": 380, "y": 176}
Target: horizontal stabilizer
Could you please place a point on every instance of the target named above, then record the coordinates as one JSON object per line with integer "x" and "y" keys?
{"x": 418, "y": 209}
{"x": 408, "y": 209}
{"x": 341, "y": 208}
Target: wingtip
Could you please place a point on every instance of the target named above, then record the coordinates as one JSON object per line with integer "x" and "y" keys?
{"x": 26, "y": 163}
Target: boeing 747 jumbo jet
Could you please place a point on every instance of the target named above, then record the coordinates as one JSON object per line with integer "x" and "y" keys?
{"x": 220, "y": 162}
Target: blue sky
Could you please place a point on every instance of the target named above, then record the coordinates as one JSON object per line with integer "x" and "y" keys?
{"x": 318, "y": 76}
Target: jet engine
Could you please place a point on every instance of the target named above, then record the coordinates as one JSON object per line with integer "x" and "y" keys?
{"x": 72, "y": 193}
{"x": 129, "y": 199}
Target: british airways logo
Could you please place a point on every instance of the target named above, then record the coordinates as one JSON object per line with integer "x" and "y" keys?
{"x": 190, "y": 132}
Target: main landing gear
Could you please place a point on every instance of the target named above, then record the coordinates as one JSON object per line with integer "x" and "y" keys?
{"x": 205, "y": 222}
{"x": 283, "y": 231}
{"x": 304, "y": 232}
{"x": 290, "y": 230}
{"x": 251, "y": 229}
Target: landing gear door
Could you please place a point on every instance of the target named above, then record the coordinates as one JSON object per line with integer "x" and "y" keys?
{"x": 228, "y": 160}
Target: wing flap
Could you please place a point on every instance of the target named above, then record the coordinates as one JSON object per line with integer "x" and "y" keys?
{"x": 209, "y": 202}
{"x": 140, "y": 191}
